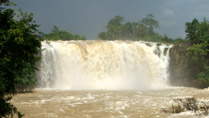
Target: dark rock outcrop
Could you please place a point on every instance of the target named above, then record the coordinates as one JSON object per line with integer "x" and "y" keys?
{"x": 179, "y": 105}
{"x": 182, "y": 71}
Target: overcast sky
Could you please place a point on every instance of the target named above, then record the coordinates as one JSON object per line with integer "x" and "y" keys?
{"x": 89, "y": 17}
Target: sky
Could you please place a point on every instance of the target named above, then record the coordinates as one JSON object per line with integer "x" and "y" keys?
{"x": 89, "y": 17}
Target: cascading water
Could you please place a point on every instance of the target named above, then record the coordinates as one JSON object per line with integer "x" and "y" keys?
{"x": 103, "y": 65}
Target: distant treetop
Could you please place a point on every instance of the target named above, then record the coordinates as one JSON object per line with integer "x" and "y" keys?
{"x": 57, "y": 34}
{"x": 141, "y": 30}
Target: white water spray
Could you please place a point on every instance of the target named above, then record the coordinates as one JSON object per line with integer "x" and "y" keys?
{"x": 103, "y": 65}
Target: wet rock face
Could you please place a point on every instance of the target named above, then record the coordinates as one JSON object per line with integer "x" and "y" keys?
{"x": 157, "y": 51}
{"x": 179, "y": 105}
{"x": 182, "y": 71}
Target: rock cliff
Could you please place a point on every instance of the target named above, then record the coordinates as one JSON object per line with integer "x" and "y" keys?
{"x": 182, "y": 70}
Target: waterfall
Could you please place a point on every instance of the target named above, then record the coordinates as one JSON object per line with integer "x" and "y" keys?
{"x": 99, "y": 64}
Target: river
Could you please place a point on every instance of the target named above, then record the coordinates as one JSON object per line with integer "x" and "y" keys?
{"x": 104, "y": 104}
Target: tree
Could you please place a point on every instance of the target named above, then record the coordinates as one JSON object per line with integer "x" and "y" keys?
{"x": 56, "y": 34}
{"x": 114, "y": 27}
{"x": 103, "y": 35}
{"x": 192, "y": 30}
{"x": 19, "y": 44}
{"x": 198, "y": 34}
{"x": 142, "y": 30}
{"x": 150, "y": 23}
{"x": 127, "y": 30}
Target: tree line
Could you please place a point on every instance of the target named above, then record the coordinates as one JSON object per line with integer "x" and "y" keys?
{"x": 144, "y": 29}
{"x": 57, "y": 34}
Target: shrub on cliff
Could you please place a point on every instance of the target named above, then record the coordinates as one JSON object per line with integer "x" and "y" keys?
{"x": 198, "y": 34}
{"x": 203, "y": 78}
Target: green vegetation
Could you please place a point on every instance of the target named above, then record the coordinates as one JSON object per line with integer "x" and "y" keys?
{"x": 56, "y": 34}
{"x": 19, "y": 46}
{"x": 141, "y": 30}
{"x": 198, "y": 34}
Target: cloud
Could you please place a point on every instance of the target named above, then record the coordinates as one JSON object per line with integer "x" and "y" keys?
{"x": 168, "y": 18}
{"x": 201, "y": 14}
{"x": 168, "y": 23}
{"x": 168, "y": 12}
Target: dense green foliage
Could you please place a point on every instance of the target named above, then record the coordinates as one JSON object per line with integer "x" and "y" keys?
{"x": 56, "y": 34}
{"x": 141, "y": 30}
{"x": 203, "y": 78}
{"x": 19, "y": 45}
{"x": 198, "y": 34}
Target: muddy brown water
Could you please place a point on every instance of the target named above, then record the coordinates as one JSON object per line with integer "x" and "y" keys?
{"x": 104, "y": 103}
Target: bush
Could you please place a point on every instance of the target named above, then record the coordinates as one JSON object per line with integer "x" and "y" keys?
{"x": 203, "y": 78}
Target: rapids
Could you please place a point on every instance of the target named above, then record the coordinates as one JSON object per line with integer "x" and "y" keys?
{"x": 105, "y": 104}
